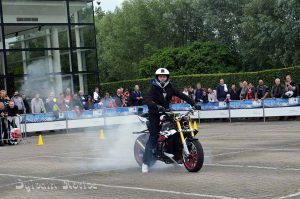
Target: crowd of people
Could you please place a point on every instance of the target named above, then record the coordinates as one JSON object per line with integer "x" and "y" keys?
{"x": 245, "y": 91}
{"x": 18, "y": 104}
{"x": 68, "y": 101}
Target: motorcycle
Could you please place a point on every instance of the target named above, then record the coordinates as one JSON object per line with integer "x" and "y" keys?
{"x": 175, "y": 128}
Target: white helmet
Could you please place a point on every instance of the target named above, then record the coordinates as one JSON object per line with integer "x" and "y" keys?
{"x": 162, "y": 71}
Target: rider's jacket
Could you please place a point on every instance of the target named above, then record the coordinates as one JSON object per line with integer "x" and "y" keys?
{"x": 162, "y": 95}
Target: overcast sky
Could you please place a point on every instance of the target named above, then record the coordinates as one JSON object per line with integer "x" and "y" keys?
{"x": 110, "y": 5}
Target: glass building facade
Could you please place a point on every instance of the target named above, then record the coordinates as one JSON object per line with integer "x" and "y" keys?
{"x": 47, "y": 46}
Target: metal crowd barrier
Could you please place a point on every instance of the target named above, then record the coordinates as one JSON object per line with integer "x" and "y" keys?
{"x": 116, "y": 116}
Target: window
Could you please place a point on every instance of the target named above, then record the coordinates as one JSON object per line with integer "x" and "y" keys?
{"x": 84, "y": 60}
{"x": 38, "y": 62}
{"x": 81, "y": 11}
{"x": 83, "y": 36}
{"x": 1, "y": 41}
{"x": 2, "y": 66}
{"x": 34, "y": 11}
{"x": 38, "y": 36}
{"x": 85, "y": 82}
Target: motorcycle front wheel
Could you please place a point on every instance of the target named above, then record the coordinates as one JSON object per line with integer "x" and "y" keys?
{"x": 194, "y": 161}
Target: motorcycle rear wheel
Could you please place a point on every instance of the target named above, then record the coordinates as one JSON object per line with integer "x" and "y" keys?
{"x": 139, "y": 150}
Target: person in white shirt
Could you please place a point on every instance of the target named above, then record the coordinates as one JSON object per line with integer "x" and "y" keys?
{"x": 96, "y": 96}
{"x": 212, "y": 97}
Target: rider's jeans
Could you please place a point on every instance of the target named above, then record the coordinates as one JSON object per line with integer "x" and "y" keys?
{"x": 154, "y": 129}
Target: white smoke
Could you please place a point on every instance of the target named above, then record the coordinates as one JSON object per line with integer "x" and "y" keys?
{"x": 38, "y": 80}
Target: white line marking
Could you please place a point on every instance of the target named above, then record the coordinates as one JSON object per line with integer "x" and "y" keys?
{"x": 38, "y": 178}
{"x": 221, "y": 154}
{"x": 47, "y": 154}
{"x": 254, "y": 149}
{"x": 253, "y": 166}
{"x": 124, "y": 187}
{"x": 289, "y": 196}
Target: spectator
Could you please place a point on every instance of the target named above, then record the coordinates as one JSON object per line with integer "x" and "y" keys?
{"x": 26, "y": 104}
{"x": 12, "y": 111}
{"x": 262, "y": 90}
{"x": 240, "y": 89}
{"x": 251, "y": 91}
{"x": 96, "y": 96}
{"x": 77, "y": 102}
{"x": 191, "y": 92}
{"x": 50, "y": 102}
{"x": 185, "y": 91}
{"x": 222, "y": 91}
{"x": 212, "y": 97}
{"x": 89, "y": 105}
{"x": 198, "y": 93}
{"x": 244, "y": 91}
{"x": 37, "y": 105}
{"x": 69, "y": 99}
{"x": 125, "y": 98}
{"x": 19, "y": 103}
{"x": 3, "y": 117}
{"x": 176, "y": 100}
{"x": 204, "y": 97}
{"x": 277, "y": 90}
{"x": 61, "y": 103}
{"x": 77, "y": 110}
{"x": 234, "y": 94}
{"x": 4, "y": 98}
{"x": 136, "y": 96}
{"x": 107, "y": 100}
{"x": 291, "y": 89}
{"x": 118, "y": 98}
{"x": 82, "y": 98}
{"x": 227, "y": 99}
{"x": 3, "y": 112}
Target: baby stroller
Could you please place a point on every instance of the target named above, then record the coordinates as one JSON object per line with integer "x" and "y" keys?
{"x": 10, "y": 133}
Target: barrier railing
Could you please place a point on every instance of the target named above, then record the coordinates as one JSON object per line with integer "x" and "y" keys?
{"x": 110, "y": 116}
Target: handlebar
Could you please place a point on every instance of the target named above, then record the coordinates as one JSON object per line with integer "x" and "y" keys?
{"x": 169, "y": 112}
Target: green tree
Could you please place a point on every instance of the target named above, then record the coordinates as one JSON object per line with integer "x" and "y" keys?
{"x": 197, "y": 58}
{"x": 270, "y": 34}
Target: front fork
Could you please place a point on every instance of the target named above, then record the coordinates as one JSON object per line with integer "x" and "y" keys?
{"x": 185, "y": 148}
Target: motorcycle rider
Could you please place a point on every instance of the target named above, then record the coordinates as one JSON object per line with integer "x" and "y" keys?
{"x": 158, "y": 100}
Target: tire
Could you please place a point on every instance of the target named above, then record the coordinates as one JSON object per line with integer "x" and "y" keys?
{"x": 1, "y": 139}
{"x": 139, "y": 151}
{"x": 194, "y": 162}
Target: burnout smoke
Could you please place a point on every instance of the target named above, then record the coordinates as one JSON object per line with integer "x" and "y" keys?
{"x": 38, "y": 80}
{"x": 115, "y": 151}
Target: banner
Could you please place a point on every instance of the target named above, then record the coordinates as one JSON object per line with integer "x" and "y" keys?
{"x": 245, "y": 104}
{"x": 121, "y": 111}
{"x": 272, "y": 103}
{"x": 214, "y": 106}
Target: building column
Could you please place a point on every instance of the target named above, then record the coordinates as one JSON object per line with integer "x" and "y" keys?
{"x": 78, "y": 53}
{"x": 49, "y": 58}
{"x": 55, "y": 66}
